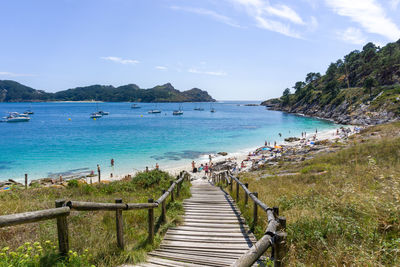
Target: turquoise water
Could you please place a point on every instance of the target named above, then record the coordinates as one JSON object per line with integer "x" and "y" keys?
{"x": 51, "y": 143}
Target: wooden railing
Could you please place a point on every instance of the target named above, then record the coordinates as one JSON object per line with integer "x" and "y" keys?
{"x": 63, "y": 208}
{"x": 274, "y": 236}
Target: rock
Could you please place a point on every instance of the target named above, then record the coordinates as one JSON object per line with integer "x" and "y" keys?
{"x": 222, "y": 153}
{"x": 292, "y": 139}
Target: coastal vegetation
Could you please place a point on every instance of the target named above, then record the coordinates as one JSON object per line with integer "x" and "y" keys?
{"x": 361, "y": 88}
{"x": 11, "y": 91}
{"x": 92, "y": 233}
{"x": 342, "y": 205}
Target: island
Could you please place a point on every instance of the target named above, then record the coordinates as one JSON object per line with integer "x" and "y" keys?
{"x": 12, "y": 91}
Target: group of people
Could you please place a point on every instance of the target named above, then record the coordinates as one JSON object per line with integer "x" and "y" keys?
{"x": 207, "y": 167}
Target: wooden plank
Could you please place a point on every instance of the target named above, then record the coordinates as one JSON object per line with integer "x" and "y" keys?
{"x": 189, "y": 244}
{"x": 194, "y": 259}
{"x": 227, "y": 254}
{"x": 205, "y": 233}
{"x": 170, "y": 263}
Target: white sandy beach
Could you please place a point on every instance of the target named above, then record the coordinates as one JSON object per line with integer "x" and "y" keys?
{"x": 237, "y": 157}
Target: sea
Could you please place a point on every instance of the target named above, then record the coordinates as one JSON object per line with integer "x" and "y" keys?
{"x": 62, "y": 139}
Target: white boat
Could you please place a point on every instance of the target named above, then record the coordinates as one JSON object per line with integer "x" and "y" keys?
{"x": 16, "y": 117}
{"x": 103, "y": 112}
{"x": 95, "y": 115}
{"x": 177, "y": 112}
{"x": 28, "y": 112}
{"x": 135, "y": 106}
{"x": 199, "y": 109}
{"x": 154, "y": 111}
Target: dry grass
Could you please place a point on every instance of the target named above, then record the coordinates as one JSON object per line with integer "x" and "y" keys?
{"x": 94, "y": 230}
{"x": 349, "y": 215}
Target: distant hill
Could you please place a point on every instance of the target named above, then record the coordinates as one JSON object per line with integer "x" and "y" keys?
{"x": 361, "y": 88}
{"x": 11, "y": 91}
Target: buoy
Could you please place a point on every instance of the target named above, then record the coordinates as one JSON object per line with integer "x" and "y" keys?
{"x": 94, "y": 119}
{"x": 141, "y": 115}
{"x": 69, "y": 119}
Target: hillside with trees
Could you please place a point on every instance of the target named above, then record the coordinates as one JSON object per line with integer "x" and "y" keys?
{"x": 11, "y": 91}
{"x": 361, "y": 88}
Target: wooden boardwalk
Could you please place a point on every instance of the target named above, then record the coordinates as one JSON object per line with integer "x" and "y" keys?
{"x": 213, "y": 232}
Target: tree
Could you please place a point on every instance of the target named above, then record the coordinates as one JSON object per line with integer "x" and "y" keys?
{"x": 369, "y": 83}
{"x": 312, "y": 76}
{"x": 285, "y": 96}
{"x": 298, "y": 87}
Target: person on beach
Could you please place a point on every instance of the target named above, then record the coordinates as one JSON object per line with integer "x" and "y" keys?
{"x": 112, "y": 162}
{"x": 201, "y": 167}
{"x": 157, "y": 166}
{"x": 147, "y": 169}
{"x": 209, "y": 157}
{"x": 194, "y": 169}
{"x": 206, "y": 169}
{"x": 211, "y": 168}
{"x": 316, "y": 131}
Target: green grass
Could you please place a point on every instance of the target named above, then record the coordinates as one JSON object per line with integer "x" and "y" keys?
{"x": 347, "y": 216}
{"x": 95, "y": 230}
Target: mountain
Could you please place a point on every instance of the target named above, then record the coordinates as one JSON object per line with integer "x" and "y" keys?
{"x": 11, "y": 91}
{"x": 361, "y": 88}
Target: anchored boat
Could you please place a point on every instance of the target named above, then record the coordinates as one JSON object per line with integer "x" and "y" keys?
{"x": 154, "y": 111}
{"x": 16, "y": 117}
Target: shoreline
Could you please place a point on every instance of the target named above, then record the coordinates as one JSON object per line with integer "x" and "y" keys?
{"x": 235, "y": 157}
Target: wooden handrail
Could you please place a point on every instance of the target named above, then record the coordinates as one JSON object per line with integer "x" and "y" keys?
{"x": 33, "y": 216}
{"x": 274, "y": 233}
{"x": 63, "y": 209}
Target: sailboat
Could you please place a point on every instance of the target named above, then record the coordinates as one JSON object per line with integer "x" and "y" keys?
{"x": 99, "y": 113}
{"x": 135, "y": 106}
{"x": 178, "y": 112}
{"x": 154, "y": 111}
{"x": 212, "y": 110}
{"x": 198, "y": 108}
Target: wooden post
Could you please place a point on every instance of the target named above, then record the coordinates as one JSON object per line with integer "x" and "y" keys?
{"x": 282, "y": 223}
{"x": 246, "y": 197}
{"x": 26, "y": 181}
{"x": 62, "y": 230}
{"x": 150, "y": 238}
{"x": 231, "y": 185}
{"x": 119, "y": 225}
{"x": 172, "y": 193}
{"x": 276, "y": 211}
{"x": 237, "y": 191}
{"x": 178, "y": 189}
{"x": 60, "y": 179}
{"x": 163, "y": 209}
{"x": 98, "y": 172}
{"x": 279, "y": 248}
{"x": 255, "y": 211}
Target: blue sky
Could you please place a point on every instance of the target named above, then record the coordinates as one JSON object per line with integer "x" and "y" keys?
{"x": 234, "y": 49}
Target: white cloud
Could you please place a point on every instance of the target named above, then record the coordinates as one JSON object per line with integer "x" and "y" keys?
{"x": 394, "y": 4}
{"x": 12, "y": 74}
{"x": 369, "y": 14}
{"x": 352, "y": 35}
{"x": 276, "y": 18}
{"x": 209, "y": 13}
{"x": 161, "y": 68}
{"x": 121, "y": 60}
{"x": 214, "y": 73}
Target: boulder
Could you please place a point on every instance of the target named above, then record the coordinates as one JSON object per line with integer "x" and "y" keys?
{"x": 222, "y": 153}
